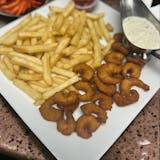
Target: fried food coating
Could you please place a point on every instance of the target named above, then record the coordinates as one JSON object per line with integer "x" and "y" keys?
{"x": 48, "y": 112}
{"x": 66, "y": 126}
{"x": 119, "y": 47}
{"x": 87, "y": 88}
{"x": 134, "y": 60}
{"x": 118, "y": 37}
{"x": 108, "y": 89}
{"x": 131, "y": 70}
{"x": 66, "y": 98}
{"x": 126, "y": 84}
{"x": 91, "y": 108}
{"x": 86, "y": 125}
{"x": 126, "y": 99}
{"x": 104, "y": 101}
{"x": 84, "y": 70}
{"x": 114, "y": 57}
{"x": 110, "y": 73}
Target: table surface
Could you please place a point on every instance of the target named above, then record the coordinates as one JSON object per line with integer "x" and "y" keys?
{"x": 140, "y": 141}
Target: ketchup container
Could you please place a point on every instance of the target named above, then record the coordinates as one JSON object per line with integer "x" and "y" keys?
{"x": 85, "y": 4}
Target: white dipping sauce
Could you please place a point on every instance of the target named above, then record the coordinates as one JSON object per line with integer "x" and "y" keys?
{"x": 141, "y": 32}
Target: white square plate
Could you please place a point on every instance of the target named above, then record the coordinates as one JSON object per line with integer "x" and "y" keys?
{"x": 73, "y": 147}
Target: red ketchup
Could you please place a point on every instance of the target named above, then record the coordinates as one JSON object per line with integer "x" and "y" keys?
{"x": 85, "y": 4}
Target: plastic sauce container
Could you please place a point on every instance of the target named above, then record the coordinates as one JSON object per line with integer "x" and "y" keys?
{"x": 85, "y": 4}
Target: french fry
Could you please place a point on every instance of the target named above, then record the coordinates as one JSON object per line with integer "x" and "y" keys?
{"x": 68, "y": 9}
{"x": 67, "y": 83}
{"x": 46, "y": 69}
{"x": 98, "y": 30}
{"x": 5, "y": 50}
{"x": 26, "y": 57}
{"x": 58, "y": 52}
{"x": 63, "y": 72}
{"x": 77, "y": 36}
{"x": 39, "y": 102}
{"x": 29, "y": 77}
{"x": 58, "y": 23}
{"x": 94, "y": 16}
{"x": 30, "y": 34}
{"x": 8, "y": 63}
{"x": 27, "y": 89}
{"x": 9, "y": 74}
{"x": 35, "y": 49}
{"x": 104, "y": 30}
{"x": 85, "y": 38}
{"x": 27, "y": 64}
{"x": 14, "y": 30}
{"x": 55, "y": 9}
{"x": 97, "y": 49}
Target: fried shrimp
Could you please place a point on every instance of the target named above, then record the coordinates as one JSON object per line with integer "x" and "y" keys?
{"x": 84, "y": 70}
{"x": 127, "y": 83}
{"x": 131, "y": 70}
{"x": 118, "y": 37}
{"x": 66, "y": 98}
{"x": 126, "y": 99}
{"x": 68, "y": 125}
{"x": 48, "y": 112}
{"x": 105, "y": 102}
{"x": 119, "y": 47}
{"x": 87, "y": 88}
{"x": 86, "y": 124}
{"x": 108, "y": 89}
{"x": 114, "y": 57}
{"x": 91, "y": 108}
{"x": 135, "y": 61}
{"x": 109, "y": 73}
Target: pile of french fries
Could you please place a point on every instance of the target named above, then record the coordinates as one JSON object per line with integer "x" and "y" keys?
{"x": 39, "y": 53}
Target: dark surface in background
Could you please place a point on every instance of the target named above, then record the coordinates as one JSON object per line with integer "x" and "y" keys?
{"x": 4, "y": 157}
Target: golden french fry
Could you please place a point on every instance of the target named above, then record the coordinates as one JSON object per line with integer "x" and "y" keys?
{"x": 46, "y": 69}
{"x": 85, "y": 38}
{"x": 68, "y": 9}
{"x": 19, "y": 42}
{"x": 77, "y": 36}
{"x": 55, "y": 9}
{"x": 36, "y": 48}
{"x": 8, "y": 63}
{"x": 14, "y": 30}
{"x": 97, "y": 49}
{"x": 38, "y": 88}
{"x": 104, "y": 30}
{"x": 107, "y": 48}
{"x": 63, "y": 72}
{"x": 95, "y": 16}
{"x": 5, "y": 50}
{"x": 27, "y": 89}
{"x": 66, "y": 25}
{"x": 26, "y": 57}
{"x": 97, "y": 28}
{"x": 67, "y": 83}
{"x": 26, "y": 42}
{"x": 39, "y": 102}
{"x": 9, "y": 74}
{"x": 29, "y": 77}
{"x": 58, "y": 23}
{"x": 27, "y": 64}
{"x": 25, "y": 34}
{"x": 58, "y": 52}
{"x": 74, "y": 27}
{"x": 69, "y": 50}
